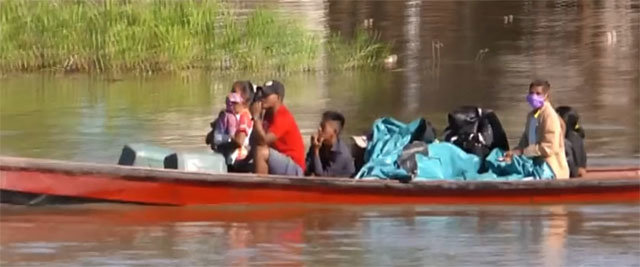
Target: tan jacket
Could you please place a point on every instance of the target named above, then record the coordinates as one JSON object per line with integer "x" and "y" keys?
{"x": 550, "y": 146}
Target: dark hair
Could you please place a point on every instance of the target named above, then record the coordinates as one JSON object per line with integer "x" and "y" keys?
{"x": 334, "y": 116}
{"x": 246, "y": 88}
{"x": 544, "y": 83}
{"x": 570, "y": 117}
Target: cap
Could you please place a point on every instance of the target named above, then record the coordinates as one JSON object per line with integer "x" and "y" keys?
{"x": 235, "y": 98}
{"x": 273, "y": 87}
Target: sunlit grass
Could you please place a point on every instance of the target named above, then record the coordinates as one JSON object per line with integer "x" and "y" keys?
{"x": 363, "y": 51}
{"x": 159, "y": 36}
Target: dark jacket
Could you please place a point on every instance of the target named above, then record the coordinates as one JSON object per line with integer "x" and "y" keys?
{"x": 336, "y": 162}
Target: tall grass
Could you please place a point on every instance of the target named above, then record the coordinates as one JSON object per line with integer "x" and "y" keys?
{"x": 148, "y": 36}
{"x": 364, "y": 50}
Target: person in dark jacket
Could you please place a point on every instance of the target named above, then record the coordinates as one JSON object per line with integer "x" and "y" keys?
{"x": 574, "y": 140}
{"x": 328, "y": 155}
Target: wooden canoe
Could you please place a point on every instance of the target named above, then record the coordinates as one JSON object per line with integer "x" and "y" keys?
{"x": 20, "y": 177}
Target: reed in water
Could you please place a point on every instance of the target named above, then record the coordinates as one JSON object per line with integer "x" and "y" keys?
{"x": 166, "y": 36}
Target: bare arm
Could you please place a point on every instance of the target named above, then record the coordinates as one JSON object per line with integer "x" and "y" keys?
{"x": 262, "y": 137}
{"x": 239, "y": 138}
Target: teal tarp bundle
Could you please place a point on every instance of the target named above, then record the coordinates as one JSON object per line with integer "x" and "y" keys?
{"x": 444, "y": 161}
{"x": 447, "y": 162}
{"x": 519, "y": 167}
{"x": 389, "y": 137}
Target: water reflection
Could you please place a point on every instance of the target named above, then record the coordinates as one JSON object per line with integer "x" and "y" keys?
{"x": 568, "y": 42}
{"x": 319, "y": 235}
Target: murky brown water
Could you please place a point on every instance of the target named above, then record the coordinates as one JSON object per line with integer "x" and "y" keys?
{"x": 116, "y": 235}
{"x": 568, "y": 42}
{"x": 589, "y": 50}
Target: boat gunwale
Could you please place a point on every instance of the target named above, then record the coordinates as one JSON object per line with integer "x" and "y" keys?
{"x": 251, "y": 180}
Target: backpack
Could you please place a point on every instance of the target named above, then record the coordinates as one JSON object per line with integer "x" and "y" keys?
{"x": 407, "y": 159}
{"x": 574, "y": 140}
{"x": 423, "y": 135}
{"x": 476, "y": 131}
{"x": 218, "y": 134}
{"x": 425, "y": 132}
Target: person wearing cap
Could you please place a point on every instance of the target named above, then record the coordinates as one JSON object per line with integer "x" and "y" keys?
{"x": 328, "y": 155}
{"x": 277, "y": 142}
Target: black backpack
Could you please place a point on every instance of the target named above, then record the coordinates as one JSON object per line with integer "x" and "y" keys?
{"x": 476, "y": 131}
{"x": 574, "y": 140}
{"x": 424, "y": 135}
{"x": 217, "y": 138}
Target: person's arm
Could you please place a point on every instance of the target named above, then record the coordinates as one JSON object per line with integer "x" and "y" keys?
{"x": 314, "y": 155}
{"x": 260, "y": 135}
{"x": 342, "y": 167}
{"x": 318, "y": 169}
{"x": 243, "y": 125}
{"x": 309, "y": 163}
{"x": 548, "y": 143}
{"x": 239, "y": 138}
{"x": 349, "y": 167}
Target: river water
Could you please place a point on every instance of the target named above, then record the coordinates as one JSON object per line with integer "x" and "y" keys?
{"x": 489, "y": 52}
{"x": 99, "y": 235}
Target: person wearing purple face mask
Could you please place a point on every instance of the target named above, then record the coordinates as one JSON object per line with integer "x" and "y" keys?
{"x": 544, "y": 132}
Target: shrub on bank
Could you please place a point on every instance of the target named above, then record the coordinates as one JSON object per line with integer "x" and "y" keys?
{"x": 158, "y": 36}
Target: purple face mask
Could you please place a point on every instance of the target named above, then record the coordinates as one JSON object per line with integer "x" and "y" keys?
{"x": 535, "y": 101}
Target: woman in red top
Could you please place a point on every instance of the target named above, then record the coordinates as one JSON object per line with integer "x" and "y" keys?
{"x": 277, "y": 141}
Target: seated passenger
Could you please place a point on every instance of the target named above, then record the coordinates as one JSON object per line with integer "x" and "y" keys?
{"x": 240, "y": 138}
{"x": 544, "y": 132}
{"x": 328, "y": 155}
{"x": 223, "y": 128}
{"x": 574, "y": 142}
{"x": 276, "y": 139}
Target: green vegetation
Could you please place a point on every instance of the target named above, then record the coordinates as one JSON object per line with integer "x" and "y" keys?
{"x": 148, "y": 36}
{"x": 363, "y": 51}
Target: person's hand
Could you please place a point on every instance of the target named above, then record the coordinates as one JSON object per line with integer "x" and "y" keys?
{"x": 582, "y": 172}
{"x": 256, "y": 109}
{"x": 507, "y": 157}
{"x": 316, "y": 142}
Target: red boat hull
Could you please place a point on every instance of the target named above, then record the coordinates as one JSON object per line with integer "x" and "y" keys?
{"x": 164, "y": 187}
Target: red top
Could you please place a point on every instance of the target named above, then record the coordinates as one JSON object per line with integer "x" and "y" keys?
{"x": 288, "y": 137}
{"x": 245, "y": 123}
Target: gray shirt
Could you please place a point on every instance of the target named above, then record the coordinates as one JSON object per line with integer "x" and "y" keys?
{"x": 533, "y": 127}
{"x": 337, "y": 162}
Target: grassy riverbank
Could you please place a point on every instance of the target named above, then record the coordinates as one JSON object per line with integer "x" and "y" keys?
{"x": 166, "y": 36}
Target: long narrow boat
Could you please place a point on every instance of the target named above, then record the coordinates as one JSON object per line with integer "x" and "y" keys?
{"x": 36, "y": 179}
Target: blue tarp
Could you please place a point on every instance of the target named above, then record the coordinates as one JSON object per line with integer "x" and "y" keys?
{"x": 444, "y": 161}
{"x": 389, "y": 137}
{"x": 519, "y": 167}
{"x": 447, "y": 162}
